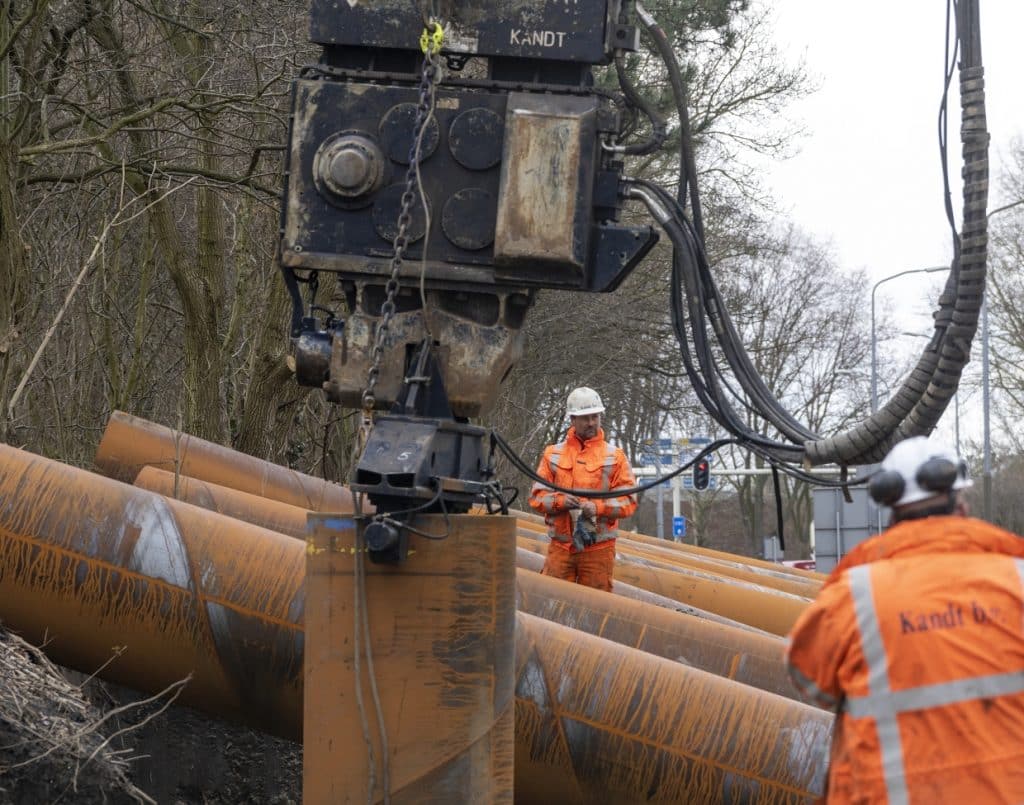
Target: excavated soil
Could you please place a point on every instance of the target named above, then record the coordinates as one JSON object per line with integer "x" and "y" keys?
{"x": 65, "y": 738}
{"x": 54, "y": 743}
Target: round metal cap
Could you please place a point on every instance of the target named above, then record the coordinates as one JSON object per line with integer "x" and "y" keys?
{"x": 348, "y": 167}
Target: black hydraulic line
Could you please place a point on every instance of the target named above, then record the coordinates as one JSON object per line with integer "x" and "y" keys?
{"x": 947, "y": 79}
{"x": 682, "y": 249}
{"x": 916, "y": 408}
{"x": 923, "y": 397}
{"x": 779, "y": 527}
{"x": 767, "y": 405}
{"x": 684, "y": 274}
{"x": 745, "y": 371}
{"x": 687, "y": 160}
{"x": 749, "y": 379}
{"x": 659, "y": 129}
{"x": 518, "y": 462}
{"x": 595, "y": 494}
{"x": 291, "y": 283}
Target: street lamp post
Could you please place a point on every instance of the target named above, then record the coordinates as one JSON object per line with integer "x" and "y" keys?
{"x": 874, "y": 341}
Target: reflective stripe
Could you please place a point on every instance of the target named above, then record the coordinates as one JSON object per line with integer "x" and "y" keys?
{"x": 870, "y": 634}
{"x": 938, "y": 695}
{"x": 542, "y": 495}
{"x": 807, "y": 686}
{"x": 878, "y": 682}
{"x": 609, "y": 464}
{"x": 546, "y": 501}
{"x": 553, "y": 461}
{"x": 618, "y": 504}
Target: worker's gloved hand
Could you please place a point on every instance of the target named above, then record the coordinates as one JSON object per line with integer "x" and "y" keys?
{"x": 588, "y": 509}
{"x": 584, "y": 533}
{"x": 570, "y": 503}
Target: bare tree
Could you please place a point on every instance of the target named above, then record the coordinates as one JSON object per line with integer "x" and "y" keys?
{"x": 183, "y": 318}
{"x": 802, "y": 321}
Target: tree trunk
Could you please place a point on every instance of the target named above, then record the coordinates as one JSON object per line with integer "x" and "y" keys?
{"x": 14, "y": 282}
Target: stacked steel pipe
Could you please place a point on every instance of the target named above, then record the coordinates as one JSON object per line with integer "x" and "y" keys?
{"x": 754, "y": 658}
{"x": 761, "y": 607}
{"x": 186, "y": 590}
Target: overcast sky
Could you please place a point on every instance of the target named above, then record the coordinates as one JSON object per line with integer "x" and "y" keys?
{"x": 868, "y": 176}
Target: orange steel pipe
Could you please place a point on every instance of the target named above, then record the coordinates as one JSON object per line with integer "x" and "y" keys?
{"x": 94, "y": 564}
{"x": 736, "y": 570}
{"x": 291, "y": 520}
{"x": 261, "y": 511}
{"x": 334, "y": 770}
{"x": 529, "y": 561}
{"x": 754, "y": 659}
{"x": 88, "y": 564}
{"x": 130, "y": 443}
{"x": 710, "y": 553}
{"x": 442, "y": 632}
{"x": 535, "y": 523}
{"x": 656, "y": 558}
{"x": 771, "y": 610}
{"x": 600, "y": 722}
{"x": 152, "y": 590}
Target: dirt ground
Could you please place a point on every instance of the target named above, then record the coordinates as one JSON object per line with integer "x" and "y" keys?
{"x": 67, "y": 739}
{"x": 54, "y": 743}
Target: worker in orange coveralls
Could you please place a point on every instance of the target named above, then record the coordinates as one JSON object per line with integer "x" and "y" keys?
{"x": 582, "y": 529}
{"x": 916, "y": 640}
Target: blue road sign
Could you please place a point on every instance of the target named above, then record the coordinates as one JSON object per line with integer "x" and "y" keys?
{"x": 678, "y": 526}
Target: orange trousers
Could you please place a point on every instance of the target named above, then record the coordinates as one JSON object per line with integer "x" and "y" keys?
{"x": 592, "y": 566}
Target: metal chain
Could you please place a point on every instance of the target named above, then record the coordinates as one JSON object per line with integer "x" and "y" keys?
{"x": 430, "y": 76}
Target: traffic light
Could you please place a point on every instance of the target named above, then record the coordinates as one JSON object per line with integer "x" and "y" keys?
{"x": 701, "y": 474}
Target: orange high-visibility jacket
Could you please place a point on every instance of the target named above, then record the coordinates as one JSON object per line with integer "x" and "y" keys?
{"x": 917, "y": 640}
{"x": 575, "y": 464}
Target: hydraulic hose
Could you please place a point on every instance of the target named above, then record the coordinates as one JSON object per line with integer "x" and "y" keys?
{"x": 922, "y": 399}
{"x": 917, "y": 406}
{"x": 659, "y": 129}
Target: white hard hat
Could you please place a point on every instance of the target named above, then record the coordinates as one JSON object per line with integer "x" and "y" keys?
{"x": 583, "y": 401}
{"x": 917, "y": 469}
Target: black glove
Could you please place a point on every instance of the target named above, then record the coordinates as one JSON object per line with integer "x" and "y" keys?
{"x": 582, "y": 535}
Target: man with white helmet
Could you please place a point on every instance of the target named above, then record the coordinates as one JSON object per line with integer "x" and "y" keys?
{"x": 582, "y": 529}
{"x": 916, "y": 640}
